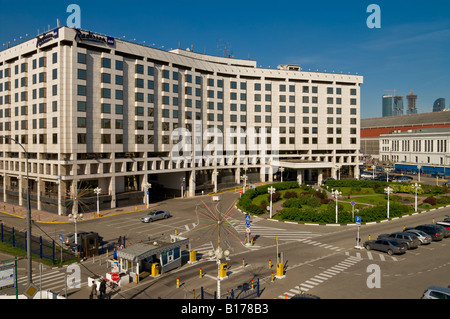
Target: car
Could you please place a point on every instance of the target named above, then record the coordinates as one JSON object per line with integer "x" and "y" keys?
{"x": 424, "y": 238}
{"x": 446, "y": 220}
{"x": 389, "y": 246}
{"x": 445, "y": 231}
{"x": 70, "y": 239}
{"x": 435, "y": 232}
{"x": 403, "y": 179}
{"x": 155, "y": 215}
{"x": 436, "y": 292}
{"x": 407, "y": 239}
{"x": 366, "y": 175}
{"x": 446, "y": 225}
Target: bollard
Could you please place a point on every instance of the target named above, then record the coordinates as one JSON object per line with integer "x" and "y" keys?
{"x": 107, "y": 252}
{"x": 176, "y": 232}
{"x": 272, "y": 277}
{"x": 193, "y": 293}
{"x": 243, "y": 262}
{"x": 369, "y": 236}
{"x": 270, "y": 263}
{"x": 178, "y": 282}
{"x": 200, "y": 273}
{"x": 433, "y": 220}
{"x": 252, "y": 284}
{"x": 299, "y": 289}
{"x": 286, "y": 296}
{"x": 251, "y": 241}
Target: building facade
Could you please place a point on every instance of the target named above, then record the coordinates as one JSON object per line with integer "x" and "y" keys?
{"x": 424, "y": 147}
{"x": 95, "y": 111}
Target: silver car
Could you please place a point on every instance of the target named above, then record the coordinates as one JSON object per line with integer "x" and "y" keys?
{"x": 424, "y": 238}
{"x": 155, "y": 215}
{"x": 436, "y": 292}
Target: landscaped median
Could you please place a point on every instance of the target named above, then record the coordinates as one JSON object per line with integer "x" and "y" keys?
{"x": 305, "y": 204}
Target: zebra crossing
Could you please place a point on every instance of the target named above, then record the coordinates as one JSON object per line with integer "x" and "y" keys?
{"x": 53, "y": 279}
{"x": 321, "y": 278}
{"x": 272, "y": 232}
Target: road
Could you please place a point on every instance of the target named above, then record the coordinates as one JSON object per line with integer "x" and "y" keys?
{"x": 318, "y": 260}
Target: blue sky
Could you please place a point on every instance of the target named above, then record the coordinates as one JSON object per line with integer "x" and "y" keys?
{"x": 409, "y": 52}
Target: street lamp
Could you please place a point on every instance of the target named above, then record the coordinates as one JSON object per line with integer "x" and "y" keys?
{"x": 271, "y": 190}
{"x": 29, "y": 270}
{"x": 219, "y": 253}
{"x": 147, "y": 187}
{"x": 388, "y": 191}
{"x": 98, "y": 191}
{"x": 416, "y": 187}
{"x": 75, "y": 216}
{"x": 282, "y": 170}
{"x": 336, "y": 194}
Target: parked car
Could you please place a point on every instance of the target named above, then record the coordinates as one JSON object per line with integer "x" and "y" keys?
{"x": 366, "y": 175}
{"x": 407, "y": 239}
{"x": 70, "y": 239}
{"x": 424, "y": 238}
{"x": 403, "y": 179}
{"x": 155, "y": 215}
{"x": 445, "y": 231}
{"x": 447, "y": 220}
{"x": 436, "y": 292}
{"x": 389, "y": 246}
{"x": 435, "y": 232}
{"x": 446, "y": 225}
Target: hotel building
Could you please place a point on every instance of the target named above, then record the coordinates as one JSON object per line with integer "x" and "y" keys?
{"x": 96, "y": 111}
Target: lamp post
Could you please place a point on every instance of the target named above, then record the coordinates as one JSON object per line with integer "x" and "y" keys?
{"x": 98, "y": 191}
{"x": 388, "y": 191}
{"x": 219, "y": 253}
{"x": 336, "y": 194}
{"x": 29, "y": 266}
{"x": 282, "y": 170}
{"x": 416, "y": 187}
{"x": 418, "y": 168}
{"x": 75, "y": 216}
{"x": 147, "y": 187}
{"x": 183, "y": 180}
{"x": 271, "y": 190}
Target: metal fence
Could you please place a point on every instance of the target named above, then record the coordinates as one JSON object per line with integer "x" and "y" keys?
{"x": 45, "y": 249}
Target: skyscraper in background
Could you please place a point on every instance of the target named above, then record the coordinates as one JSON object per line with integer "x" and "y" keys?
{"x": 439, "y": 105}
{"x": 388, "y": 104}
{"x": 398, "y": 105}
{"x": 412, "y": 101}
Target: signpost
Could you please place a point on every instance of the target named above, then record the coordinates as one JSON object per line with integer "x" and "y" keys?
{"x": 358, "y": 239}
{"x": 247, "y": 227}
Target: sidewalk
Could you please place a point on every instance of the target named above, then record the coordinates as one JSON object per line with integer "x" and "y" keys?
{"x": 47, "y": 217}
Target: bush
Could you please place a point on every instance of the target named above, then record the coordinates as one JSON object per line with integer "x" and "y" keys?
{"x": 430, "y": 200}
{"x": 290, "y": 194}
{"x": 275, "y": 197}
{"x": 292, "y": 203}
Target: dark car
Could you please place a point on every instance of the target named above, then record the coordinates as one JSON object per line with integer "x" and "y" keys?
{"x": 435, "y": 232}
{"x": 444, "y": 229}
{"x": 445, "y": 224}
{"x": 389, "y": 246}
{"x": 407, "y": 239}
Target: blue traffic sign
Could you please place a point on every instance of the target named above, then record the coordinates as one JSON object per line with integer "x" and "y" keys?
{"x": 61, "y": 237}
{"x": 247, "y": 224}
{"x": 353, "y": 203}
{"x": 358, "y": 219}
{"x": 247, "y": 218}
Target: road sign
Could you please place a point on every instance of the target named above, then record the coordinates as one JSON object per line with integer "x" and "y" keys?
{"x": 247, "y": 230}
{"x": 60, "y": 237}
{"x": 358, "y": 220}
{"x": 247, "y": 218}
{"x": 353, "y": 203}
{"x": 115, "y": 277}
{"x": 247, "y": 224}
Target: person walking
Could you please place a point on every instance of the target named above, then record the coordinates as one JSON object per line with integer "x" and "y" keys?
{"x": 102, "y": 289}
{"x": 93, "y": 290}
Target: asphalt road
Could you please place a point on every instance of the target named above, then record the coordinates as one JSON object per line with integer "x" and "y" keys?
{"x": 319, "y": 260}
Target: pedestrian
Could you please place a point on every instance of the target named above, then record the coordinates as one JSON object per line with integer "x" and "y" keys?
{"x": 115, "y": 253}
{"x": 93, "y": 290}
{"x": 119, "y": 242}
{"x": 102, "y": 289}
